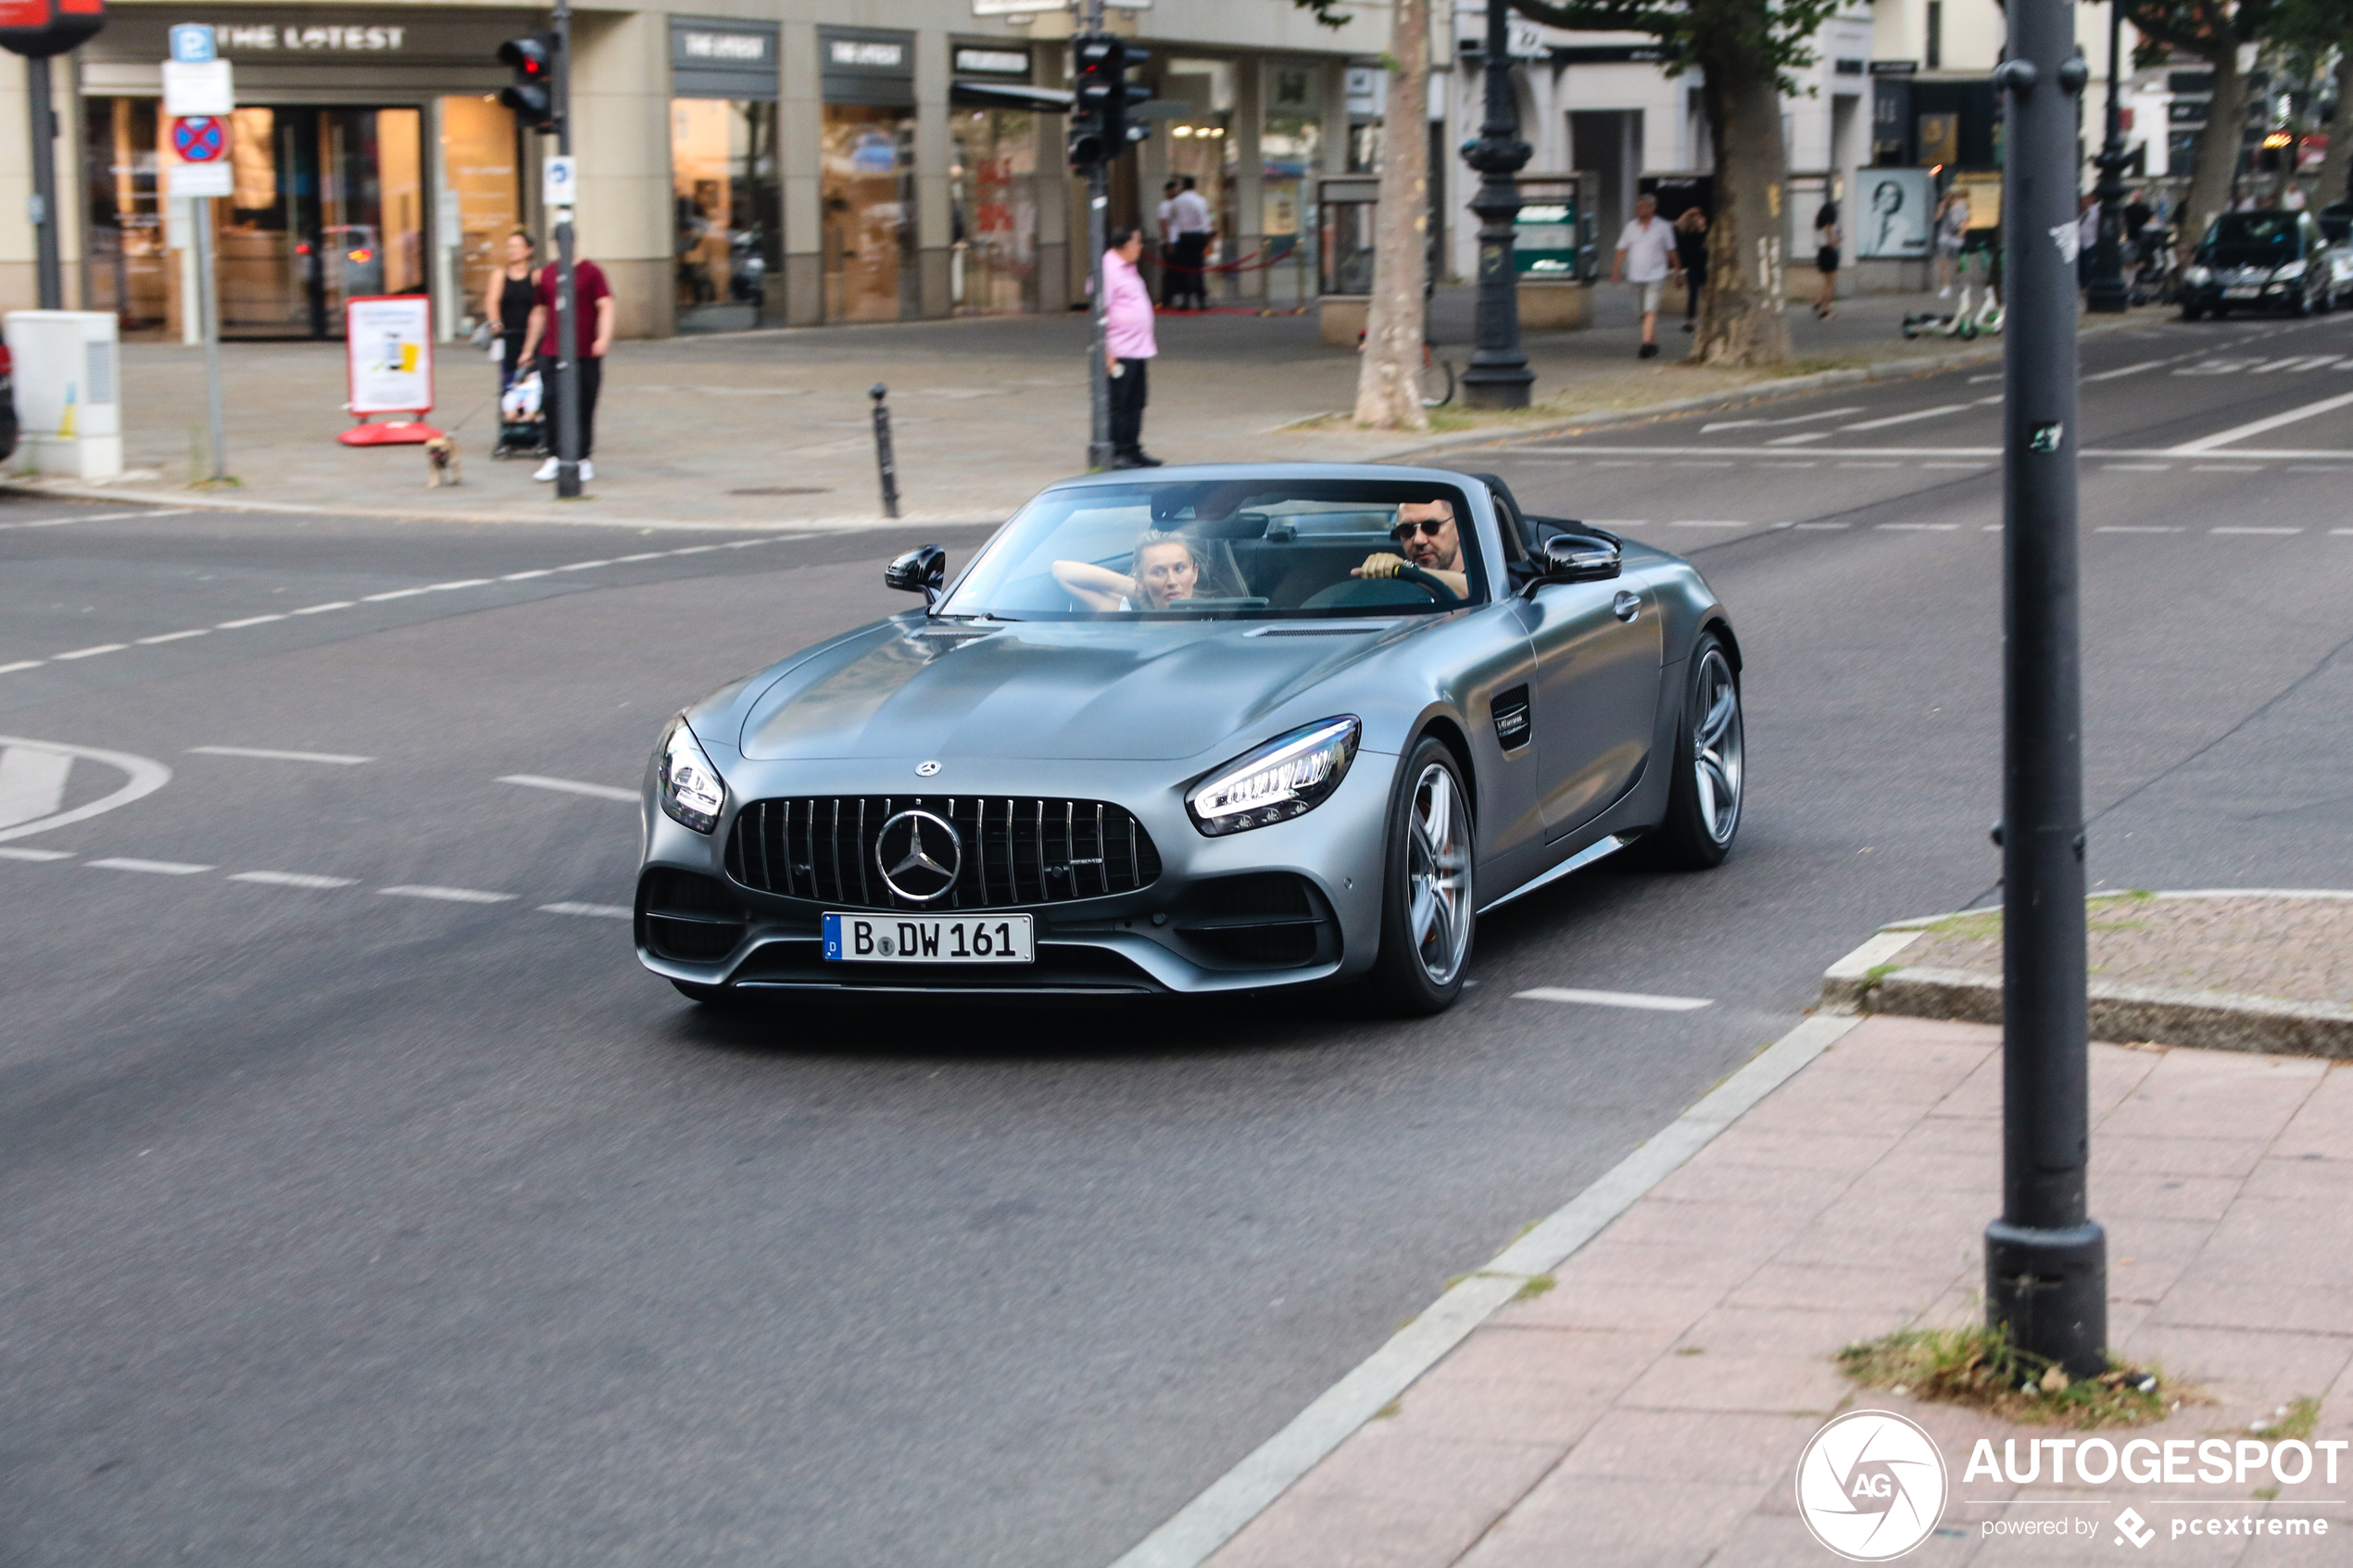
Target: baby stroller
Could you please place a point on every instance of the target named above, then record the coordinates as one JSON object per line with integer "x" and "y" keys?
{"x": 523, "y": 429}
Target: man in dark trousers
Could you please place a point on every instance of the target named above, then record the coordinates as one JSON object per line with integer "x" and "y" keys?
{"x": 591, "y": 336}
{"x": 1129, "y": 346}
{"x": 1189, "y": 216}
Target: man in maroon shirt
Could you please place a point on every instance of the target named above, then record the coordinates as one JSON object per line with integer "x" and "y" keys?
{"x": 591, "y": 336}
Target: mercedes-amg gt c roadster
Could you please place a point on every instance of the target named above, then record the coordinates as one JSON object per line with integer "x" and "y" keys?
{"x": 1196, "y": 730}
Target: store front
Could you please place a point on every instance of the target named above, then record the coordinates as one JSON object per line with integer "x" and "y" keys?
{"x": 866, "y": 182}
{"x": 359, "y": 169}
{"x": 726, "y": 176}
{"x": 992, "y": 262}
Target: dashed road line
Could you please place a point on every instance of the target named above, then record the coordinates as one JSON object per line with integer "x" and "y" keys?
{"x": 1918, "y": 527}
{"x": 2136, "y": 467}
{"x": 158, "y": 868}
{"x": 294, "y": 879}
{"x": 1825, "y": 525}
{"x": 270, "y": 754}
{"x": 173, "y": 636}
{"x": 101, "y": 516}
{"x": 570, "y": 786}
{"x": 446, "y": 895}
{"x": 321, "y": 609}
{"x": 248, "y": 621}
{"x": 2133, "y": 528}
{"x": 2263, "y": 531}
{"x": 1710, "y": 523}
{"x": 11, "y": 852}
{"x": 1640, "y": 1001}
{"x": 1914, "y": 414}
{"x": 92, "y": 652}
{"x": 594, "y": 911}
{"x": 22, "y": 664}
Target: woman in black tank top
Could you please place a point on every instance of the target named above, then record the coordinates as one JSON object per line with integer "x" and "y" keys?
{"x": 506, "y": 304}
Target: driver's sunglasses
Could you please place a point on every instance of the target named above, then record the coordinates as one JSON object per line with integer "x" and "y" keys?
{"x": 1428, "y": 526}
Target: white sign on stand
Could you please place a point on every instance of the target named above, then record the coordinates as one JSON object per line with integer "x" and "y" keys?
{"x": 203, "y": 180}
{"x": 194, "y": 87}
{"x": 388, "y": 348}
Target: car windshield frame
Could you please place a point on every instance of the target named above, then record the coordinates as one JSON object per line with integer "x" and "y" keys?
{"x": 2283, "y": 238}
{"x": 1238, "y": 526}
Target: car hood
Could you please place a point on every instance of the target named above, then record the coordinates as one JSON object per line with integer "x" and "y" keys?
{"x": 1059, "y": 690}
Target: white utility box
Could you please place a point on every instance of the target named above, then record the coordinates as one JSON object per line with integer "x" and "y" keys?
{"x": 68, "y": 374}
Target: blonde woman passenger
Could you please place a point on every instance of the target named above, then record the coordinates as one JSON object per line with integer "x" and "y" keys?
{"x": 1162, "y": 571}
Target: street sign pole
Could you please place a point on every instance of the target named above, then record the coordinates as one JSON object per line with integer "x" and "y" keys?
{"x": 43, "y": 127}
{"x": 1098, "y": 452}
{"x": 567, "y": 338}
{"x": 2045, "y": 1257}
{"x": 209, "y": 303}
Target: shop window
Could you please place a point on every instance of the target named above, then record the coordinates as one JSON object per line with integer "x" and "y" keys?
{"x": 867, "y": 194}
{"x": 479, "y": 165}
{"x": 993, "y": 257}
{"x": 1289, "y": 149}
{"x": 728, "y": 202}
{"x": 129, "y": 273}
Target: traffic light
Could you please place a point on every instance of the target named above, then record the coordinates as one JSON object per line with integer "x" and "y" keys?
{"x": 1100, "y": 94}
{"x": 533, "y": 94}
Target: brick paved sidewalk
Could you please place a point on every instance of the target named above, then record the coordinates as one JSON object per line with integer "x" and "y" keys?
{"x": 1651, "y": 1406}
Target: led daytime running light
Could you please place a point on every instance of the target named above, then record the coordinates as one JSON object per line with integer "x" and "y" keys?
{"x": 692, "y": 792}
{"x": 1286, "y": 777}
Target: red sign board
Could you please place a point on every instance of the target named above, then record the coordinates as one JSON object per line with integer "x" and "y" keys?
{"x": 39, "y": 29}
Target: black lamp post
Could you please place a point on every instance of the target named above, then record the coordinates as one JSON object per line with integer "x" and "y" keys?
{"x": 2045, "y": 1257}
{"x": 1498, "y": 376}
{"x": 2107, "y": 293}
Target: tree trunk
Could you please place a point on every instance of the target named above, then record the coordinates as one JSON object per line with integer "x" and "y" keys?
{"x": 2217, "y": 155}
{"x": 2338, "y": 164}
{"x": 1742, "y": 312}
{"x": 1389, "y": 394}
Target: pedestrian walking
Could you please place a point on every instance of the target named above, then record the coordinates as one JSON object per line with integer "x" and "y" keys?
{"x": 507, "y": 300}
{"x": 592, "y": 311}
{"x": 1129, "y": 346}
{"x": 1691, "y": 249}
{"x": 1188, "y": 217}
{"x": 1951, "y": 233}
{"x": 1826, "y": 237}
{"x": 1645, "y": 257}
{"x": 1165, "y": 236}
{"x": 2087, "y": 241}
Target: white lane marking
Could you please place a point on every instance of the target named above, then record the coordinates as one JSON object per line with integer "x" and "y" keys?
{"x": 2126, "y": 371}
{"x": 520, "y": 576}
{"x": 101, "y": 516}
{"x": 1987, "y": 402}
{"x": 1641, "y": 1001}
{"x": 92, "y": 652}
{"x": 463, "y": 583}
{"x": 1799, "y": 440}
{"x": 1825, "y": 525}
{"x": 584, "y": 566}
{"x": 22, "y": 664}
{"x": 1907, "y": 419}
{"x": 1919, "y": 527}
{"x": 2222, "y": 468}
{"x": 2341, "y": 531}
{"x": 649, "y": 555}
{"x": 1779, "y": 466}
{"x": 248, "y": 621}
{"x": 145, "y": 776}
{"x": 294, "y": 879}
{"x": 1696, "y": 463}
{"x": 1618, "y": 522}
{"x": 1979, "y": 380}
{"x": 341, "y": 758}
{"x": 158, "y": 868}
{"x": 394, "y": 594}
{"x": 1711, "y": 524}
{"x": 2297, "y": 362}
{"x": 2257, "y": 427}
{"x": 594, "y": 911}
{"x": 2133, "y": 528}
{"x": 1799, "y": 420}
{"x": 32, "y": 783}
{"x": 10, "y": 852}
{"x": 447, "y": 894}
{"x": 1973, "y": 467}
{"x": 1870, "y": 465}
{"x": 174, "y": 636}
{"x": 321, "y": 609}
{"x": 2266, "y": 531}
{"x": 569, "y": 786}
{"x": 2316, "y": 468}
{"x": 2136, "y": 467}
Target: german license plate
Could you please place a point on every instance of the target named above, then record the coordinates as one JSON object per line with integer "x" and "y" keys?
{"x": 2244, "y": 290}
{"x": 927, "y": 939}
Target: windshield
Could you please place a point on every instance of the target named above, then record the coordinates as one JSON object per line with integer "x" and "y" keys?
{"x": 2253, "y": 236}
{"x": 1246, "y": 548}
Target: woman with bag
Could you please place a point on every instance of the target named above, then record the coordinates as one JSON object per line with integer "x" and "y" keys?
{"x": 506, "y": 305}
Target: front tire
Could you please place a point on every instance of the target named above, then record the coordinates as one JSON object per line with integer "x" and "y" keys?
{"x": 1427, "y": 903}
{"x": 1710, "y": 760}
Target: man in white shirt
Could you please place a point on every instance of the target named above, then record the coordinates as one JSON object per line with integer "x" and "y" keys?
{"x": 1645, "y": 257}
{"x": 1189, "y": 216}
{"x": 1166, "y": 235}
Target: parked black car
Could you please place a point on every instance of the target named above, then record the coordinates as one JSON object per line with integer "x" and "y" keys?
{"x": 2271, "y": 259}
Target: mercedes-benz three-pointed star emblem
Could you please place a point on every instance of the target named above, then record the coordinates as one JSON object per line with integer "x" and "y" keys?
{"x": 919, "y": 855}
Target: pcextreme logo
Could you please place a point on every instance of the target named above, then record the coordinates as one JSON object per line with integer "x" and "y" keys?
{"x": 1871, "y": 1486}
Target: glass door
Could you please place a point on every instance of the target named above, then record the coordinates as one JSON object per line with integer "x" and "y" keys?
{"x": 329, "y": 207}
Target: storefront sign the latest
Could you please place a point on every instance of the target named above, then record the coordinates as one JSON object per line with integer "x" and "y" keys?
{"x": 270, "y": 37}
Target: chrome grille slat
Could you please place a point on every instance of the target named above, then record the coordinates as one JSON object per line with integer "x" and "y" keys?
{"x": 774, "y": 840}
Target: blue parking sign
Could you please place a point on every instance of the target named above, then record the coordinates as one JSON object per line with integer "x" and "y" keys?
{"x": 193, "y": 44}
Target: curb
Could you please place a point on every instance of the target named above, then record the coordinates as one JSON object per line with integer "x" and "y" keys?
{"x": 1870, "y": 980}
{"x": 1244, "y": 1492}
{"x": 1764, "y": 391}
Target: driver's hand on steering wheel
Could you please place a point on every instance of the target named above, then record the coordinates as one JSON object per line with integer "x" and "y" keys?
{"x": 1380, "y": 565}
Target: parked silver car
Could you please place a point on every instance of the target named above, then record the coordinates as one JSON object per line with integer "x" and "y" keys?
{"x": 1197, "y": 730}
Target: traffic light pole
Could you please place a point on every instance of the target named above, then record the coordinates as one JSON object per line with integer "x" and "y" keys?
{"x": 44, "y": 125}
{"x": 1098, "y": 453}
{"x": 2045, "y": 1259}
{"x": 567, "y": 306}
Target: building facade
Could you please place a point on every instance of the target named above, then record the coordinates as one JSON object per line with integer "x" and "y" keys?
{"x": 748, "y": 163}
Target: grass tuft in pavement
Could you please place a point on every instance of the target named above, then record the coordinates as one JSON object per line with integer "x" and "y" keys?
{"x": 1978, "y": 1368}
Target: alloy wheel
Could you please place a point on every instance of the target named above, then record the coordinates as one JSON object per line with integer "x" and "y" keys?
{"x": 1715, "y": 747}
{"x": 1438, "y": 874}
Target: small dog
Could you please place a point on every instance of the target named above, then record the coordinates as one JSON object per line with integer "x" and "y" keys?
{"x": 441, "y": 463}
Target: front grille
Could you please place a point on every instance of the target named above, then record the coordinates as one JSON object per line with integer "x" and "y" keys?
{"x": 1017, "y": 850}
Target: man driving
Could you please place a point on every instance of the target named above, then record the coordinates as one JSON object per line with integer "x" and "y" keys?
{"x": 1426, "y": 533}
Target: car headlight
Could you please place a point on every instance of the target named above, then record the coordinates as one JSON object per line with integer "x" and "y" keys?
{"x": 2288, "y": 273}
{"x": 2197, "y": 275}
{"x": 692, "y": 791}
{"x": 1289, "y": 776}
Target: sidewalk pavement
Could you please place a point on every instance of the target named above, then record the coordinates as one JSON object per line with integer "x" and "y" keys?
{"x": 774, "y": 428}
{"x": 1650, "y": 1406}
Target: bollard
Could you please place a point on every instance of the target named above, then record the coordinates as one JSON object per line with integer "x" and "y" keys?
{"x": 883, "y": 459}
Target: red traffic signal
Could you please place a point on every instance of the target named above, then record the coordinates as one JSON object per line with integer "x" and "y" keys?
{"x": 533, "y": 94}
{"x": 38, "y": 29}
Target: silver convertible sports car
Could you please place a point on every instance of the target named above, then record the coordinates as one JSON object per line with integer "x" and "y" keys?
{"x": 1197, "y": 730}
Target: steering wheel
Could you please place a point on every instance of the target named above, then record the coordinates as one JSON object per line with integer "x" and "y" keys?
{"x": 1427, "y": 584}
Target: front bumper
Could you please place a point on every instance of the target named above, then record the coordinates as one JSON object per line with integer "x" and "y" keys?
{"x": 1176, "y": 936}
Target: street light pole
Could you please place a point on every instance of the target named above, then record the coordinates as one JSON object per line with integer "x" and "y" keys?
{"x": 567, "y": 298}
{"x": 2045, "y": 1259}
{"x": 1498, "y": 376}
{"x": 2107, "y": 293}
{"x": 48, "y": 273}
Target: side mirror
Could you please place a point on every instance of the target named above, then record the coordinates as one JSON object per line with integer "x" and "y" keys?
{"x": 1572, "y": 558}
{"x": 921, "y": 570}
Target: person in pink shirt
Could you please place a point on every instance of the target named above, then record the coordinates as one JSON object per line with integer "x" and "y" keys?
{"x": 1129, "y": 348}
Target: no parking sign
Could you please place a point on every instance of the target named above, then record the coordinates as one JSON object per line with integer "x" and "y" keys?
{"x": 200, "y": 138}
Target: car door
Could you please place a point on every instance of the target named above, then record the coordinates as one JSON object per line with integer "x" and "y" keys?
{"x": 1596, "y": 692}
